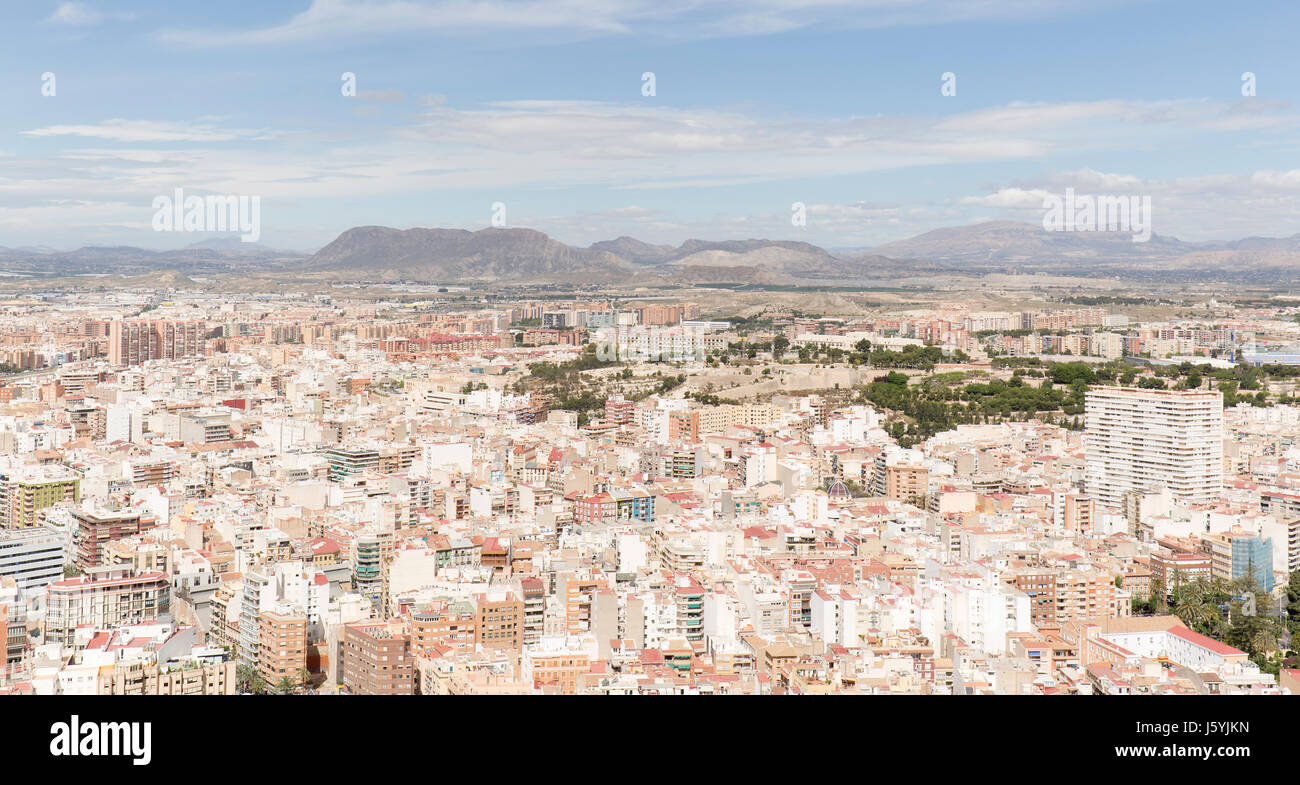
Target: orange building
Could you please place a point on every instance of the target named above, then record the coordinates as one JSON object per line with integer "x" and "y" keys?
{"x": 378, "y": 660}
{"x": 684, "y": 426}
{"x": 905, "y": 482}
{"x": 499, "y": 623}
{"x": 441, "y": 623}
{"x": 556, "y": 668}
{"x": 136, "y": 341}
{"x": 282, "y": 647}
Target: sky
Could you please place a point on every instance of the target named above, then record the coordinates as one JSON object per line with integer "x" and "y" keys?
{"x": 541, "y": 106}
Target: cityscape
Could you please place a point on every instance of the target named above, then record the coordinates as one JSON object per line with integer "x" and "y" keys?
{"x": 551, "y": 348}
{"x": 363, "y": 493}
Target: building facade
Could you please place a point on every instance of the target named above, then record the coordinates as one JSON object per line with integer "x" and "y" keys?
{"x": 1142, "y": 439}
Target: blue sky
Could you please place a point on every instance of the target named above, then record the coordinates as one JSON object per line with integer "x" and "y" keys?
{"x": 538, "y": 105}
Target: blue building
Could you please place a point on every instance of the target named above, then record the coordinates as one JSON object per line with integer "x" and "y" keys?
{"x": 1253, "y": 556}
{"x": 636, "y": 504}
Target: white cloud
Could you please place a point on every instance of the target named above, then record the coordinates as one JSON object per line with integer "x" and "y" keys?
{"x": 509, "y": 147}
{"x": 335, "y": 19}
{"x": 1009, "y": 198}
{"x": 382, "y": 96}
{"x": 1204, "y": 207}
{"x": 147, "y": 131}
{"x": 80, "y": 14}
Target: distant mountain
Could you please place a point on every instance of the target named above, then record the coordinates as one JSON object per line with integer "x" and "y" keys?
{"x": 1291, "y": 243}
{"x": 381, "y": 253}
{"x": 741, "y": 259}
{"x": 378, "y": 252}
{"x": 797, "y": 260}
{"x": 527, "y": 256}
{"x": 1015, "y": 242}
{"x": 131, "y": 261}
{"x": 635, "y": 251}
{"x": 28, "y": 249}
{"x": 236, "y": 246}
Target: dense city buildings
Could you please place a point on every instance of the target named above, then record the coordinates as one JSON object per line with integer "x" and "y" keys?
{"x": 551, "y": 348}
{"x": 316, "y": 493}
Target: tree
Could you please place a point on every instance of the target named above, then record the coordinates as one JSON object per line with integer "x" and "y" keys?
{"x": 1157, "y": 600}
{"x": 1293, "y": 597}
{"x": 779, "y": 344}
{"x": 249, "y": 680}
{"x": 286, "y": 685}
{"x": 1069, "y": 373}
{"x": 1197, "y": 605}
{"x": 1254, "y": 629}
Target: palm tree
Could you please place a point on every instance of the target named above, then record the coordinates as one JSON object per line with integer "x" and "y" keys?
{"x": 1195, "y": 604}
{"x": 1264, "y": 641}
{"x": 1197, "y": 612}
{"x": 1157, "y": 599}
{"x": 249, "y": 679}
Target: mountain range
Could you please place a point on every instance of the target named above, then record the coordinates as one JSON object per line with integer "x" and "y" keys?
{"x": 528, "y": 256}
{"x": 380, "y": 253}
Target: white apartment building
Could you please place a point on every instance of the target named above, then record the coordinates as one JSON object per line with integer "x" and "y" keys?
{"x": 982, "y": 612}
{"x": 33, "y": 557}
{"x": 1139, "y": 440}
{"x": 655, "y": 344}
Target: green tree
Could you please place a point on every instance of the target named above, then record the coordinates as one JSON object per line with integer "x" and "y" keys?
{"x": 1156, "y": 600}
{"x": 248, "y": 679}
{"x": 1293, "y": 597}
{"x": 1197, "y": 605}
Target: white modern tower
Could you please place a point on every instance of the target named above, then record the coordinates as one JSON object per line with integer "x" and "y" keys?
{"x": 1144, "y": 439}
